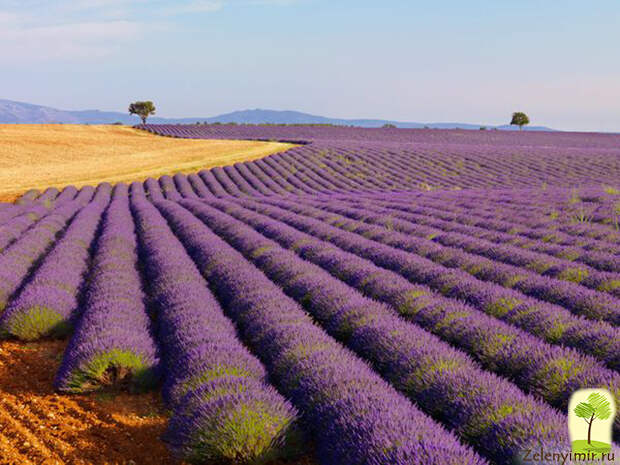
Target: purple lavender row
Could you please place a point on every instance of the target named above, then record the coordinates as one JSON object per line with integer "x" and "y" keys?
{"x": 260, "y": 170}
{"x": 352, "y": 414}
{"x": 183, "y": 186}
{"x": 549, "y": 322}
{"x": 272, "y": 173}
{"x": 255, "y": 170}
{"x": 112, "y": 343}
{"x": 168, "y": 187}
{"x": 153, "y": 190}
{"x": 27, "y": 197}
{"x": 572, "y": 216}
{"x": 440, "y": 379}
{"x": 580, "y": 300}
{"x": 530, "y": 167}
{"x": 229, "y": 186}
{"x": 511, "y": 223}
{"x": 320, "y": 179}
{"x": 24, "y": 217}
{"x": 48, "y": 303}
{"x": 68, "y": 193}
{"x": 593, "y": 206}
{"x": 277, "y": 166}
{"x": 48, "y": 196}
{"x": 595, "y": 253}
{"x": 590, "y": 303}
{"x": 469, "y": 211}
{"x": 461, "y": 253}
{"x": 438, "y": 218}
{"x": 257, "y": 183}
{"x": 12, "y": 229}
{"x": 19, "y": 258}
{"x": 252, "y": 170}
{"x": 21, "y": 205}
{"x": 243, "y": 185}
{"x": 551, "y": 372}
{"x": 502, "y": 246}
{"x": 8, "y": 209}
{"x": 222, "y": 408}
{"x": 449, "y": 138}
{"x": 319, "y": 169}
{"x": 199, "y": 186}
{"x": 212, "y": 184}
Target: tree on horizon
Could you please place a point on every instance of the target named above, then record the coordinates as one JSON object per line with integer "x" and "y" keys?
{"x": 142, "y": 109}
{"x": 520, "y": 119}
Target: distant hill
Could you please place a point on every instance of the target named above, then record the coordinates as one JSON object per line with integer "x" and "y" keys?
{"x": 18, "y": 112}
{"x": 259, "y": 116}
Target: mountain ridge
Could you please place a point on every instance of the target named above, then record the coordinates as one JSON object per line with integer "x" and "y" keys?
{"x": 28, "y": 113}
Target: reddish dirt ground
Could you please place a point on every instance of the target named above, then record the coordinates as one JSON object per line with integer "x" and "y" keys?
{"x": 39, "y": 426}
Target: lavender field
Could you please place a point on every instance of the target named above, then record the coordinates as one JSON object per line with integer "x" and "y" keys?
{"x": 371, "y": 296}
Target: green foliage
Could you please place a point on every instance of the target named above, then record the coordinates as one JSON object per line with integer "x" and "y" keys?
{"x": 245, "y": 437}
{"x": 389, "y": 126}
{"x": 502, "y": 306}
{"x": 142, "y": 109}
{"x": 600, "y": 404}
{"x": 596, "y": 408}
{"x": 519, "y": 119}
{"x": 575, "y": 275}
{"x": 38, "y": 322}
{"x": 111, "y": 368}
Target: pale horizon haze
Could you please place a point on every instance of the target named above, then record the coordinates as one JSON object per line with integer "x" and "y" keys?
{"x": 450, "y": 61}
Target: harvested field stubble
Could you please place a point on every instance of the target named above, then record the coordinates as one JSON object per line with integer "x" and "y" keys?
{"x": 66, "y": 154}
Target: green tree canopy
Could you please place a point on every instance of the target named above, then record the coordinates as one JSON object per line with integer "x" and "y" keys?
{"x": 520, "y": 119}
{"x": 142, "y": 109}
{"x": 596, "y": 408}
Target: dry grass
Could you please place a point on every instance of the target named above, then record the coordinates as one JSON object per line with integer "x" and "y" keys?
{"x": 37, "y": 156}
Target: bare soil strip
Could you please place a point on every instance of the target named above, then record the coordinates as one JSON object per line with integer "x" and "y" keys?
{"x": 40, "y": 426}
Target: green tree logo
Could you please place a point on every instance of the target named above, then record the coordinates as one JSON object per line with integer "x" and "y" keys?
{"x": 595, "y": 408}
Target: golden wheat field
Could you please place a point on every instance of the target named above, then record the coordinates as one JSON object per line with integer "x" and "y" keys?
{"x": 37, "y": 156}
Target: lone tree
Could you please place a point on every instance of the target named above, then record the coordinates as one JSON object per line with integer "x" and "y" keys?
{"x": 596, "y": 408}
{"x": 142, "y": 109}
{"x": 520, "y": 119}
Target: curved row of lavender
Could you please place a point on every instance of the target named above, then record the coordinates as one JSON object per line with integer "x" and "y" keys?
{"x": 222, "y": 407}
{"x": 435, "y": 136}
{"x": 49, "y": 301}
{"x": 313, "y": 296}
{"x": 532, "y": 364}
{"x": 413, "y": 360}
{"x": 425, "y": 159}
{"x": 354, "y": 415}
{"x": 550, "y": 322}
{"x": 113, "y": 339}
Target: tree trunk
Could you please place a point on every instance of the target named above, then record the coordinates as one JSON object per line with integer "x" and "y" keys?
{"x": 590, "y": 429}
{"x": 143, "y": 119}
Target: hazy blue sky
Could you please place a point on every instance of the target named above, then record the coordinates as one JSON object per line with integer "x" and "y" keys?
{"x": 469, "y": 61}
